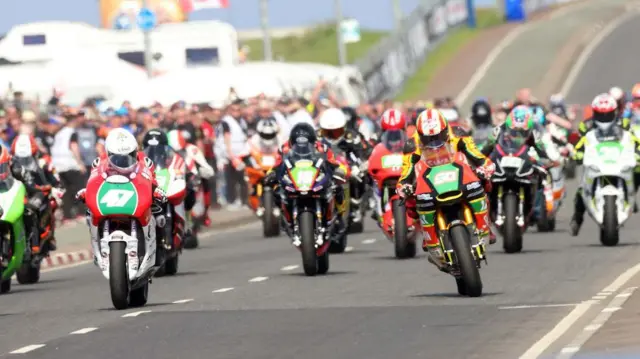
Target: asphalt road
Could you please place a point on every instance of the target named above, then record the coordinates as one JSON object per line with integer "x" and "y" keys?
{"x": 369, "y": 305}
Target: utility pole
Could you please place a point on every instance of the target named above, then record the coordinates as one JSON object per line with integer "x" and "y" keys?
{"x": 264, "y": 23}
{"x": 398, "y": 15}
{"x": 148, "y": 57}
{"x": 342, "y": 49}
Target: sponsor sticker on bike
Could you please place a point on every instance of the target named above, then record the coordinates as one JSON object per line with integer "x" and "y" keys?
{"x": 268, "y": 161}
{"x": 392, "y": 161}
{"x": 445, "y": 177}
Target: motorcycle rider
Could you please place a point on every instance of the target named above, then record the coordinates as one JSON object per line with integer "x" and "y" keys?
{"x": 122, "y": 157}
{"x": 481, "y": 113}
{"x": 359, "y": 128}
{"x": 607, "y": 122}
{"x": 333, "y": 129}
{"x": 302, "y": 134}
{"x": 35, "y": 171}
{"x": 624, "y": 111}
{"x": 433, "y": 133}
{"x": 267, "y": 134}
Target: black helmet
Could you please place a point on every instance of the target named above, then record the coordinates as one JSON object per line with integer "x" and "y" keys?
{"x": 481, "y": 112}
{"x": 302, "y": 130}
{"x": 155, "y": 137}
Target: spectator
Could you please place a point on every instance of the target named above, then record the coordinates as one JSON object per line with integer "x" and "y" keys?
{"x": 234, "y": 140}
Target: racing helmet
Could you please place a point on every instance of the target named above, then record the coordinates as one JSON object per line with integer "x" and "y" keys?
{"x": 122, "y": 150}
{"x": 605, "y": 111}
{"x": 432, "y": 129}
{"x": 333, "y": 124}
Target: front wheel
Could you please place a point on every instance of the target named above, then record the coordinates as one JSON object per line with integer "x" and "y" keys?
{"x": 270, "y": 223}
{"x": 403, "y": 247}
{"x": 469, "y": 273}
{"x": 609, "y": 235}
{"x": 28, "y": 274}
{"x": 118, "y": 276}
{"x": 570, "y": 169}
{"x": 512, "y": 241}
{"x": 308, "y": 248}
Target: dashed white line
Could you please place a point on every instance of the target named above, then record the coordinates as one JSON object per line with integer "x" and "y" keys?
{"x": 592, "y": 327}
{"x": 135, "y": 314}
{"x": 369, "y": 241}
{"x": 27, "y": 349}
{"x": 258, "y": 279}
{"x": 288, "y": 268}
{"x": 598, "y": 297}
{"x": 348, "y": 249}
{"x": 181, "y": 301}
{"x": 611, "y": 309}
{"x": 223, "y": 290}
{"x": 84, "y": 330}
{"x": 567, "y": 350}
{"x": 539, "y": 306}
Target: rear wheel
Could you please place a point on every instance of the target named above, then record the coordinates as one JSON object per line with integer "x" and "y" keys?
{"x": 309, "y": 258}
{"x": 270, "y": 223}
{"x": 28, "y": 274}
{"x": 512, "y": 241}
{"x": 171, "y": 265}
{"x": 469, "y": 273}
{"x": 544, "y": 222}
{"x": 609, "y": 235}
{"x": 5, "y": 286}
{"x": 118, "y": 276}
{"x": 403, "y": 247}
{"x": 570, "y": 169}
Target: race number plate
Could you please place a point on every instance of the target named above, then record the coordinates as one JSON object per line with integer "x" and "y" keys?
{"x": 511, "y": 162}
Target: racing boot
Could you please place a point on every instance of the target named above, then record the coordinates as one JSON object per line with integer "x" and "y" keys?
{"x": 578, "y": 214}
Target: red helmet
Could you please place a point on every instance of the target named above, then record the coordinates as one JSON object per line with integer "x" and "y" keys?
{"x": 393, "y": 119}
{"x": 24, "y": 146}
{"x": 605, "y": 111}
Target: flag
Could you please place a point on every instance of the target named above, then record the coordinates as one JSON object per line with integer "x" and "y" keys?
{"x": 208, "y": 4}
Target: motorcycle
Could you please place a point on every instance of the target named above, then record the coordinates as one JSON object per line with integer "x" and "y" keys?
{"x": 565, "y": 140}
{"x": 442, "y": 182}
{"x": 308, "y": 202}
{"x": 263, "y": 202}
{"x": 385, "y": 168}
{"x": 123, "y": 232}
{"x": 170, "y": 171}
{"x": 515, "y": 185}
{"x": 12, "y": 231}
{"x": 355, "y": 184}
{"x": 607, "y": 183}
{"x": 550, "y": 195}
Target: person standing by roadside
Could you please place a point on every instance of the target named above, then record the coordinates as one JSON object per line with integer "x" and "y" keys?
{"x": 236, "y": 150}
{"x": 67, "y": 159}
{"x": 88, "y": 139}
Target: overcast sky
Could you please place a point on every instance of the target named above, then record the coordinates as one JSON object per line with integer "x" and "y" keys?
{"x": 243, "y": 14}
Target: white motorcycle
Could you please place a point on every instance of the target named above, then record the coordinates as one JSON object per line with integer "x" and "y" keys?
{"x": 607, "y": 183}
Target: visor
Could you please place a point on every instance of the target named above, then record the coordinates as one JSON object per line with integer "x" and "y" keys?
{"x": 333, "y": 134}
{"x": 123, "y": 161}
{"x": 435, "y": 141}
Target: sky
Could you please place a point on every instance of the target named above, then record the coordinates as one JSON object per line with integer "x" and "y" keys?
{"x": 242, "y": 14}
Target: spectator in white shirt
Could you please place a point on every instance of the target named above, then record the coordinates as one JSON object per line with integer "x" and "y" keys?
{"x": 298, "y": 114}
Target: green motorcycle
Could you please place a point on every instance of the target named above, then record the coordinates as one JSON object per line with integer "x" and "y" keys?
{"x": 12, "y": 230}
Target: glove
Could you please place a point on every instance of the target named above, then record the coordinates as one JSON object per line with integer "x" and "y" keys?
{"x": 58, "y": 193}
{"x": 486, "y": 171}
{"x": 81, "y": 194}
{"x": 364, "y": 166}
{"x": 159, "y": 195}
{"x": 405, "y": 190}
{"x": 206, "y": 172}
{"x": 340, "y": 175}
{"x": 270, "y": 178}
{"x": 355, "y": 171}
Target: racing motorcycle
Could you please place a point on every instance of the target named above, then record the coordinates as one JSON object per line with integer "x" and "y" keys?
{"x": 12, "y": 231}
{"x": 355, "y": 175}
{"x": 123, "y": 231}
{"x": 515, "y": 185}
{"x": 445, "y": 182}
{"x": 550, "y": 195}
{"x": 308, "y": 202}
{"x": 385, "y": 167}
{"x": 607, "y": 182}
{"x": 565, "y": 139}
{"x": 170, "y": 174}
{"x": 262, "y": 201}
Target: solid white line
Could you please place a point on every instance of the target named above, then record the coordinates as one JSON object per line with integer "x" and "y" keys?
{"x": 348, "y": 249}
{"x": 592, "y": 327}
{"x": 589, "y": 49}
{"x": 539, "y": 306}
{"x": 570, "y": 349}
{"x": 258, "y": 279}
{"x": 84, "y": 330}
{"x": 288, "y": 268}
{"x": 611, "y": 309}
{"x": 181, "y": 301}
{"x": 223, "y": 290}
{"x": 27, "y": 349}
{"x": 135, "y": 314}
{"x": 369, "y": 241}
{"x": 541, "y": 345}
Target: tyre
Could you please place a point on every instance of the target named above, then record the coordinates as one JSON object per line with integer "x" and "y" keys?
{"x": 191, "y": 240}
{"x": 338, "y": 246}
{"x": 171, "y": 265}
{"x": 403, "y": 247}
{"x": 270, "y": 223}
{"x": 512, "y": 241}
{"x": 5, "y": 286}
{"x": 609, "y": 235}
{"x": 570, "y": 169}
{"x": 470, "y": 275}
{"x": 543, "y": 218}
{"x": 118, "y": 276}
{"x": 323, "y": 263}
{"x": 306, "y": 221}
{"x": 139, "y": 296}
{"x": 356, "y": 227}
{"x": 462, "y": 286}
{"x": 28, "y": 274}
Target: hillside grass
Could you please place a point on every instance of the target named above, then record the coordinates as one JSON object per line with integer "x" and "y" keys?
{"x": 441, "y": 55}
{"x": 317, "y": 45}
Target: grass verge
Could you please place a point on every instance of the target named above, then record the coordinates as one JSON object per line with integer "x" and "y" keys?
{"x": 442, "y": 54}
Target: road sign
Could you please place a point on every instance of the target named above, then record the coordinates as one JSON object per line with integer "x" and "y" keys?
{"x": 147, "y": 19}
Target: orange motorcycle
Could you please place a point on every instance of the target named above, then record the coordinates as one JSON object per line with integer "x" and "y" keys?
{"x": 261, "y": 199}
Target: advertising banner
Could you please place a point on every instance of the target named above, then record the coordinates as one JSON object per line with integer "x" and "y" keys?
{"x": 121, "y": 14}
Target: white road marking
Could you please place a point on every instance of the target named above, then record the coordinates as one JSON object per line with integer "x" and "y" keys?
{"x": 27, "y": 349}
{"x": 181, "y": 301}
{"x": 135, "y": 314}
{"x": 598, "y": 297}
{"x": 288, "y": 268}
{"x": 348, "y": 249}
{"x": 84, "y": 330}
{"x": 369, "y": 241}
{"x": 567, "y": 350}
{"x": 539, "y": 306}
{"x": 588, "y": 331}
{"x": 258, "y": 279}
{"x": 223, "y": 290}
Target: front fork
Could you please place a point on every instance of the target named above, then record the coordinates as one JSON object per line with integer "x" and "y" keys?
{"x": 500, "y": 210}
{"x": 321, "y": 230}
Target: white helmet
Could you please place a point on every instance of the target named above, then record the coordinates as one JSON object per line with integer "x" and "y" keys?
{"x": 333, "y": 124}
{"x": 122, "y": 150}
{"x": 268, "y": 130}
{"x": 616, "y": 92}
